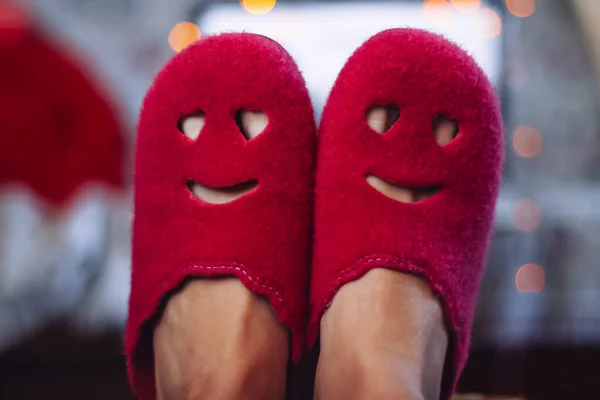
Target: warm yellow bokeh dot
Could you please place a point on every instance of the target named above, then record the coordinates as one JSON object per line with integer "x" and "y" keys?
{"x": 438, "y": 12}
{"x": 258, "y": 7}
{"x": 527, "y": 215}
{"x": 527, "y": 141}
{"x": 490, "y": 24}
{"x": 466, "y": 6}
{"x": 530, "y": 278}
{"x": 521, "y": 8}
{"x": 183, "y": 34}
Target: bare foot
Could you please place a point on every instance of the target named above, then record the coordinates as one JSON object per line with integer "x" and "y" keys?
{"x": 382, "y": 338}
{"x": 217, "y": 340}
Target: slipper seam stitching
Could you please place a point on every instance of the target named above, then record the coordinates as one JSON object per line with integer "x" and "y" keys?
{"x": 236, "y": 267}
{"x": 366, "y": 260}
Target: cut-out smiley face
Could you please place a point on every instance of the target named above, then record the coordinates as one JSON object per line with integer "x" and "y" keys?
{"x": 381, "y": 119}
{"x": 251, "y": 124}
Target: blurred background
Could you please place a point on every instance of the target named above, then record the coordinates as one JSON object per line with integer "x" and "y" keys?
{"x": 73, "y": 74}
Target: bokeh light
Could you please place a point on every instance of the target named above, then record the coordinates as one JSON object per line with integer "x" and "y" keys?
{"x": 530, "y": 278}
{"x": 466, "y": 6}
{"x": 521, "y": 8}
{"x": 258, "y": 7}
{"x": 527, "y": 141}
{"x": 489, "y": 23}
{"x": 183, "y": 34}
{"x": 438, "y": 13}
{"x": 527, "y": 215}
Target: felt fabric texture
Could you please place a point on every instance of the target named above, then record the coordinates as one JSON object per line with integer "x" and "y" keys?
{"x": 58, "y": 131}
{"x": 442, "y": 238}
{"x": 264, "y": 237}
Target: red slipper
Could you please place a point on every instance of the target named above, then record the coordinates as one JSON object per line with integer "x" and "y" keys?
{"x": 262, "y": 238}
{"x": 442, "y": 238}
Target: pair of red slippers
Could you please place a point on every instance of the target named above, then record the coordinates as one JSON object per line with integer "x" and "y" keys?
{"x": 265, "y": 238}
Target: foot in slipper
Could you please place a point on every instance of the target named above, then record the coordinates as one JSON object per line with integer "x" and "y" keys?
{"x": 408, "y": 172}
{"x": 223, "y": 184}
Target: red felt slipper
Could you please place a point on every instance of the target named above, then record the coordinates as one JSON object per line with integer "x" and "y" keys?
{"x": 443, "y": 237}
{"x": 190, "y": 139}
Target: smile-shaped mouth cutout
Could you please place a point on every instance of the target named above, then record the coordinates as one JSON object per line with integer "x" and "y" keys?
{"x": 221, "y": 195}
{"x": 403, "y": 194}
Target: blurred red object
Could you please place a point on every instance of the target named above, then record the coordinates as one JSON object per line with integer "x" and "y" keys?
{"x": 13, "y": 19}
{"x": 57, "y": 131}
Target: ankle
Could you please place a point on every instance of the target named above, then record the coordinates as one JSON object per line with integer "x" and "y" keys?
{"x": 385, "y": 305}
{"x": 387, "y": 330}
{"x": 211, "y": 341}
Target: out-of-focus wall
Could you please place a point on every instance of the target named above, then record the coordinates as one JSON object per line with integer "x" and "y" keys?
{"x": 124, "y": 41}
{"x": 588, "y": 12}
{"x": 551, "y": 91}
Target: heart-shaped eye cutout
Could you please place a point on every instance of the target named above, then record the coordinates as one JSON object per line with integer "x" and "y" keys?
{"x": 382, "y": 118}
{"x": 251, "y": 123}
{"x": 191, "y": 125}
{"x": 444, "y": 129}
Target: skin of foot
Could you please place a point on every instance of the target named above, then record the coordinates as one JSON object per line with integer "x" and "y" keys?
{"x": 382, "y": 338}
{"x": 217, "y": 340}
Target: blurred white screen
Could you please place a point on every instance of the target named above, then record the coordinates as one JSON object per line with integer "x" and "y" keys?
{"x": 321, "y": 36}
